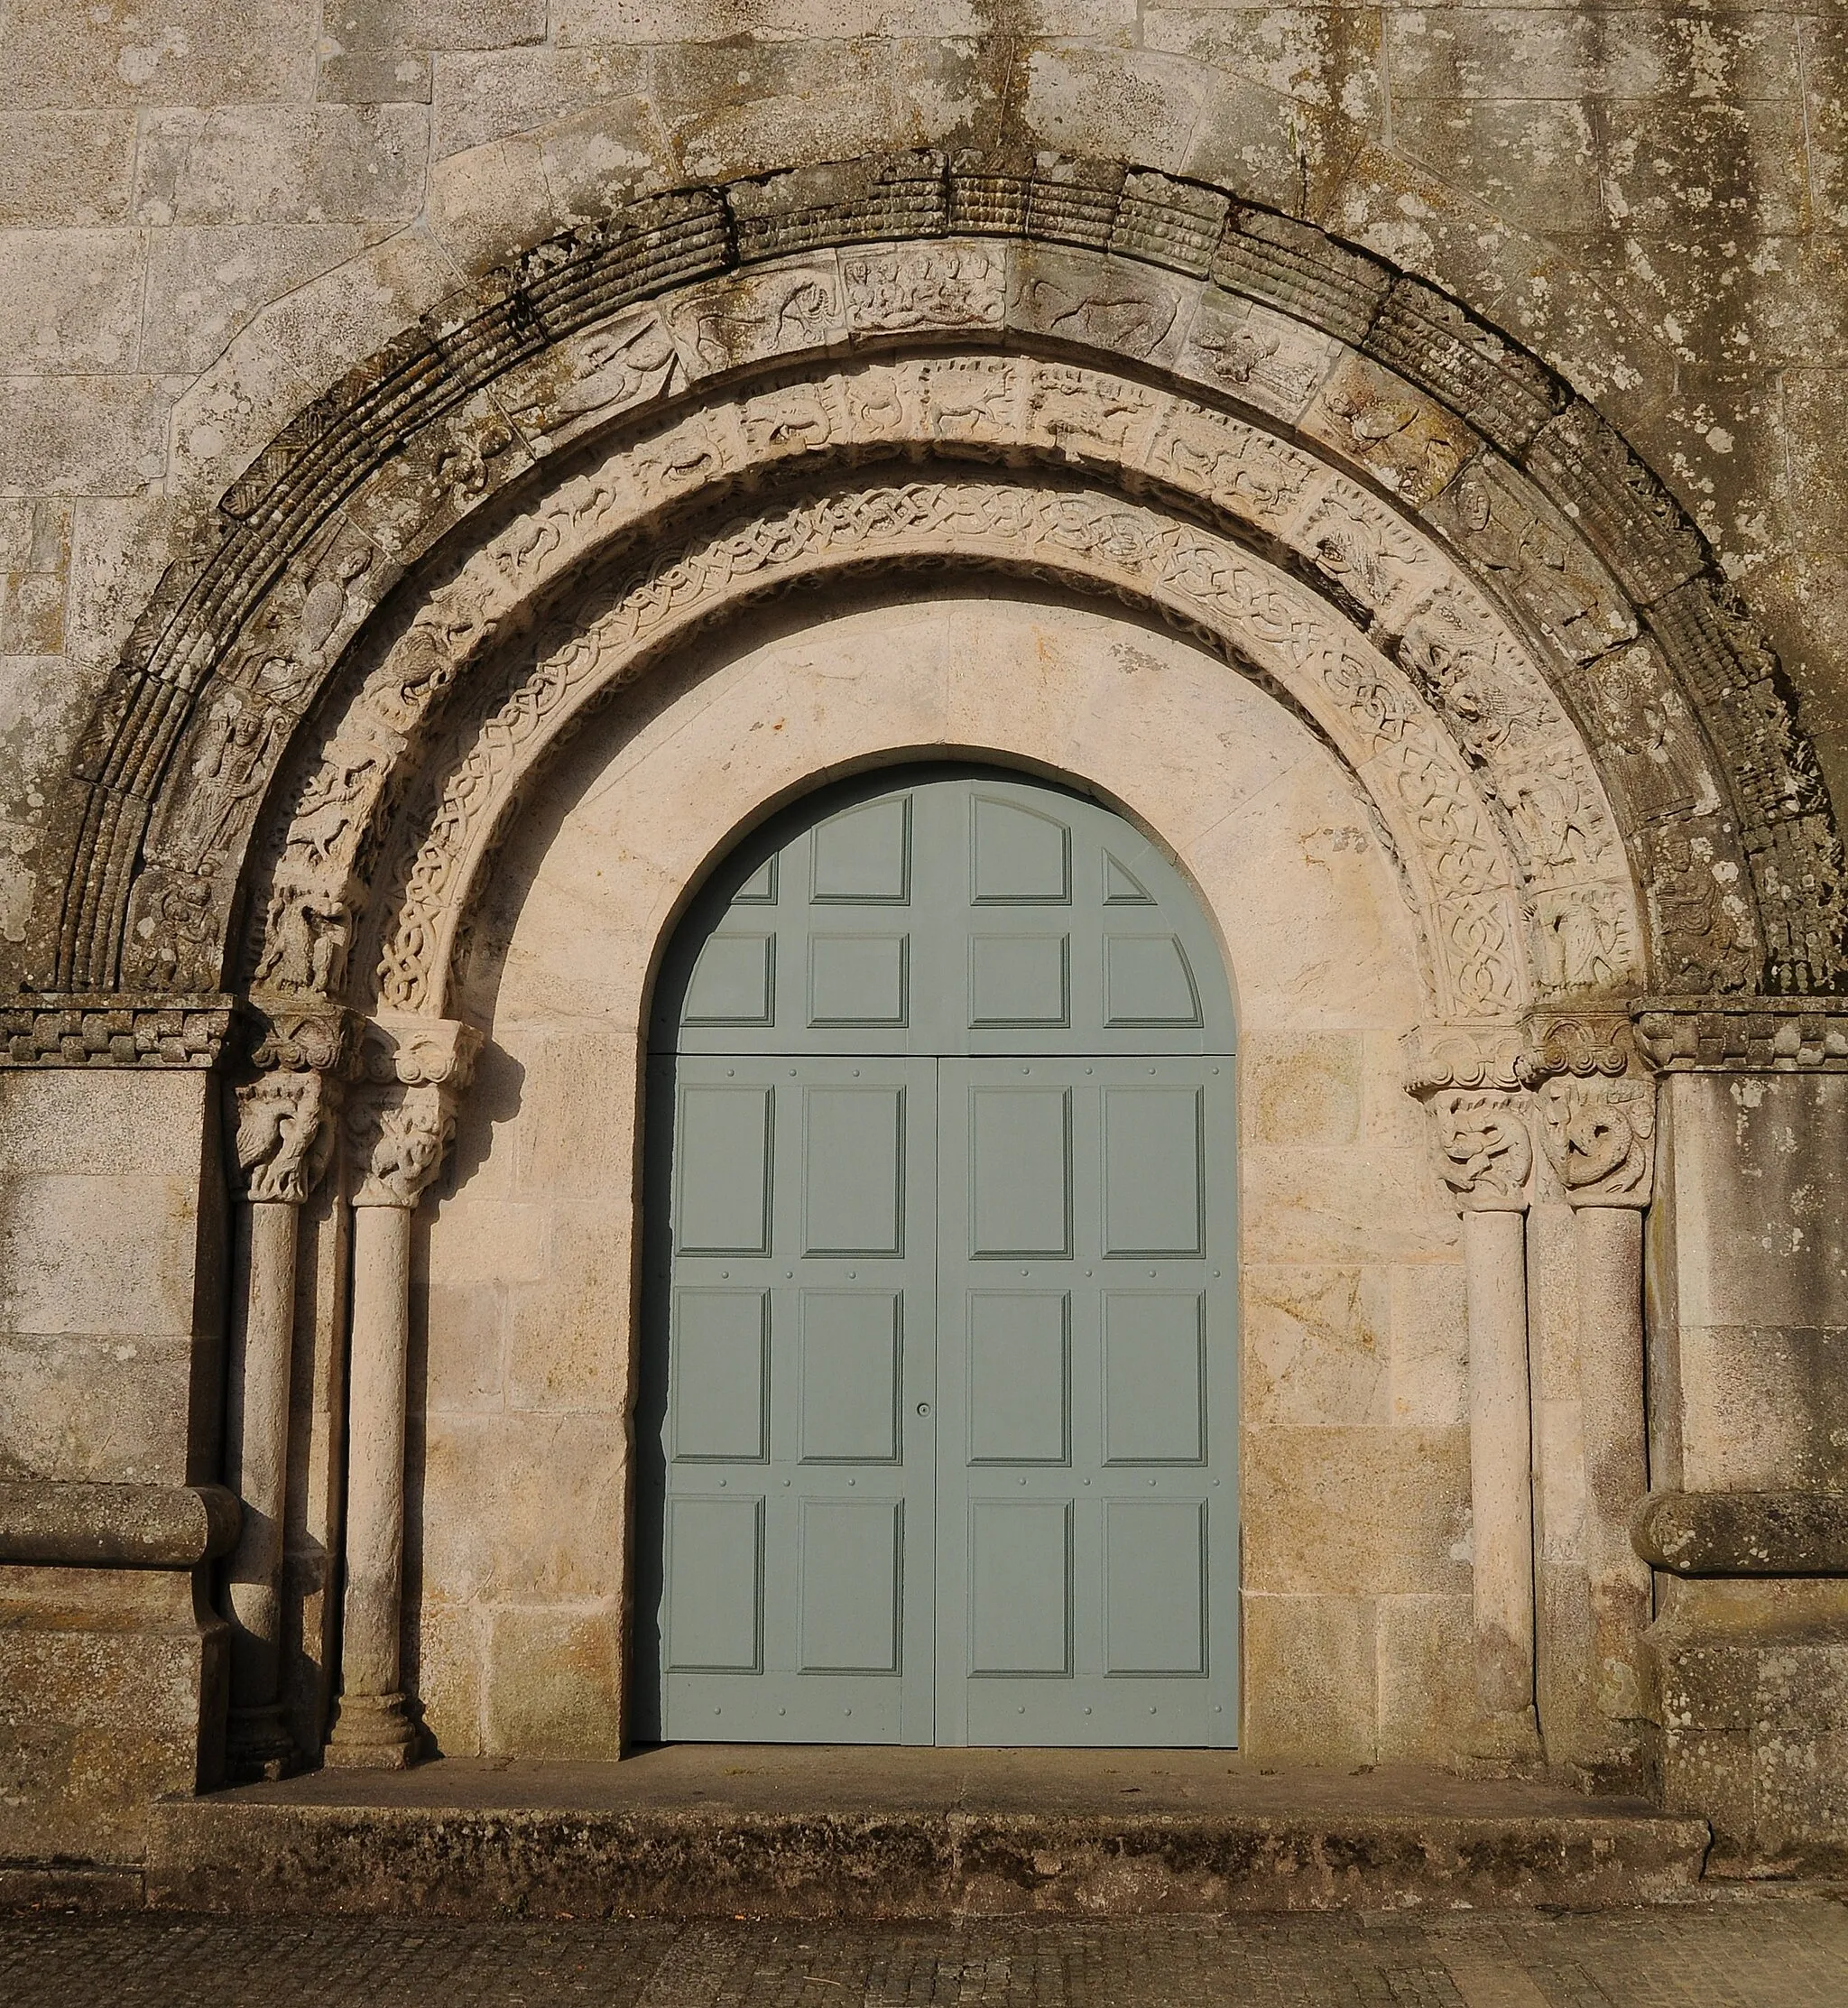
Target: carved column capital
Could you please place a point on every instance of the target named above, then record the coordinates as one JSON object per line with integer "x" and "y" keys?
{"x": 1463, "y": 1055}
{"x": 1599, "y": 1135}
{"x": 284, "y": 1135}
{"x": 287, "y": 1101}
{"x": 419, "y": 1051}
{"x": 398, "y": 1136}
{"x": 401, "y": 1116}
{"x": 1484, "y": 1152}
{"x": 293, "y": 1037}
{"x": 1472, "y": 1078}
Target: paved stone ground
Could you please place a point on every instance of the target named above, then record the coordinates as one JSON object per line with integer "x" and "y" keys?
{"x": 1788, "y": 1950}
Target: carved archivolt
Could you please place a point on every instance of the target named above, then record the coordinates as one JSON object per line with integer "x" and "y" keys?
{"x": 1434, "y": 700}
{"x": 1424, "y": 788}
{"x": 1533, "y": 587}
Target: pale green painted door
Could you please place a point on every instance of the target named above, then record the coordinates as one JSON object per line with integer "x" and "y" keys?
{"x": 939, "y": 1429}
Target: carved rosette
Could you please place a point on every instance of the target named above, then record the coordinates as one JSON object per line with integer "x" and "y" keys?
{"x": 1599, "y": 1137}
{"x": 401, "y": 1118}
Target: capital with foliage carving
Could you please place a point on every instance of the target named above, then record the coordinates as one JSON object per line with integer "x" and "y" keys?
{"x": 1584, "y": 1044}
{"x": 1465, "y": 1056}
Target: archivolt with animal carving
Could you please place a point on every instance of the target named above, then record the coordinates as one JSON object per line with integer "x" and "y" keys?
{"x": 1462, "y": 674}
{"x": 1217, "y": 299}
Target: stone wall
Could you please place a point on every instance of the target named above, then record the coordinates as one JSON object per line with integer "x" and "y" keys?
{"x": 202, "y": 229}
{"x": 112, "y": 1256}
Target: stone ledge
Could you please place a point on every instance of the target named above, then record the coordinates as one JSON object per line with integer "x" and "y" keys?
{"x": 1743, "y": 1034}
{"x": 453, "y": 1839}
{"x": 29, "y": 1887}
{"x": 60, "y": 1029}
{"x": 54, "y": 1523}
{"x": 1744, "y": 1533}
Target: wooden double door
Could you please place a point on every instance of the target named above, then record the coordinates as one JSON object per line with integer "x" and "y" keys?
{"x": 939, "y": 1425}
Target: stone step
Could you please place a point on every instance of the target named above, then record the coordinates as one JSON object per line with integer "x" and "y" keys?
{"x": 731, "y": 1830}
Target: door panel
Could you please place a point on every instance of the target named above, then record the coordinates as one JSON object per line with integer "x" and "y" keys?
{"x": 939, "y": 1413}
{"x": 1096, "y": 1395}
{"x": 794, "y": 1430}
{"x": 1154, "y": 1376}
{"x": 1019, "y": 1574}
{"x": 854, "y": 1170}
{"x": 720, "y": 1365}
{"x": 716, "y": 1564}
{"x": 852, "y": 1571}
{"x": 1156, "y": 1583}
{"x": 1020, "y": 1370}
{"x": 852, "y": 1376}
{"x": 1152, "y": 1153}
{"x": 949, "y": 913}
{"x": 1020, "y": 1171}
{"x": 724, "y": 1170}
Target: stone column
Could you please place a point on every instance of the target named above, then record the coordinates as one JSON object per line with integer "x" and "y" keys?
{"x": 284, "y": 1139}
{"x": 1599, "y": 1134}
{"x": 1486, "y": 1155}
{"x": 399, "y": 1123}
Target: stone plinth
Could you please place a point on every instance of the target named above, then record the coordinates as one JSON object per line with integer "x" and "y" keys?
{"x": 715, "y": 1830}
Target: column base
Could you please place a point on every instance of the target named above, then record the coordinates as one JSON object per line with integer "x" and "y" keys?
{"x": 374, "y": 1733}
{"x": 258, "y": 1747}
{"x": 1504, "y": 1745}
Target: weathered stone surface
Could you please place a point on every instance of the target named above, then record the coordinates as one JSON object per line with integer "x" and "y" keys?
{"x": 283, "y": 312}
{"x": 1747, "y": 1692}
{"x": 276, "y": 166}
{"x": 984, "y": 1833}
{"x": 1745, "y": 1533}
{"x": 65, "y": 168}
{"x": 103, "y": 1709}
{"x": 69, "y": 1524}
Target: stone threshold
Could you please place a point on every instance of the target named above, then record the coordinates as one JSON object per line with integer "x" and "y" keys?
{"x": 745, "y": 1830}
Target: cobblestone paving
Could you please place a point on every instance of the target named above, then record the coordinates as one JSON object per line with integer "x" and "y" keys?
{"x": 1788, "y": 1951}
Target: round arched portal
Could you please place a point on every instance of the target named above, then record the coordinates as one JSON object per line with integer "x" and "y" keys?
{"x": 531, "y": 1436}
{"x": 938, "y": 1430}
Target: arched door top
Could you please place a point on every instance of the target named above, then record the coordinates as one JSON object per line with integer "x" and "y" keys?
{"x": 937, "y": 1437}
{"x": 945, "y": 910}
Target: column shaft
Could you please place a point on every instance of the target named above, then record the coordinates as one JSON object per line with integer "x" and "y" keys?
{"x": 1500, "y": 1467}
{"x": 1616, "y": 1461}
{"x": 374, "y": 1726}
{"x": 257, "y": 1470}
